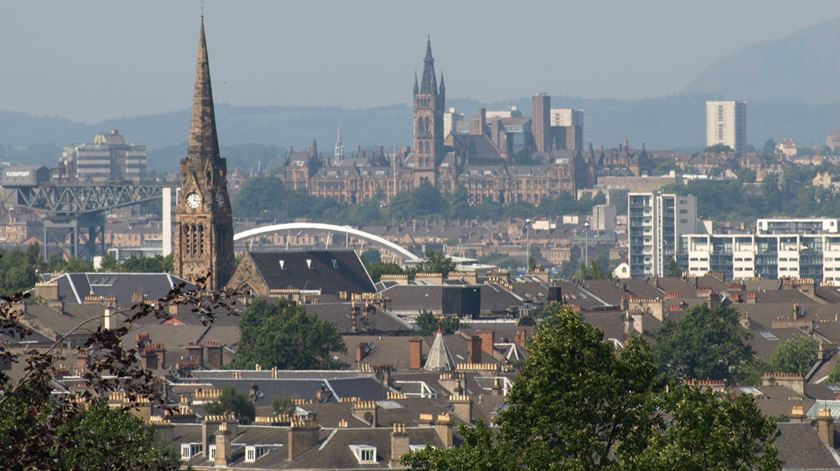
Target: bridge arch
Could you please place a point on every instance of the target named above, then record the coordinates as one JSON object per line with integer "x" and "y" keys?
{"x": 318, "y": 226}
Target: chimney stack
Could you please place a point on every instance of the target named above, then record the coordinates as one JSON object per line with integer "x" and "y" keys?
{"x": 366, "y": 411}
{"x": 400, "y": 445}
{"x": 488, "y": 340}
{"x": 825, "y": 427}
{"x": 214, "y": 355}
{"x": 223, "y": 439}
{"x": 462, "y": 407}
{"x": 303, "y": 435}
{"x": 474, "y": 349}
{"x": 415, "y": 353}
{"x": 443, "y": 427}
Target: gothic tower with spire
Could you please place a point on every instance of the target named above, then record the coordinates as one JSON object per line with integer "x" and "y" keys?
{"x": 429, "y": 104}
{"x": 204, "y": 224}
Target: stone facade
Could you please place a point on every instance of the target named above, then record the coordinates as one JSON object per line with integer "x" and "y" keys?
{"x": 481, "y": 158}
{"x": 204, "y": 224}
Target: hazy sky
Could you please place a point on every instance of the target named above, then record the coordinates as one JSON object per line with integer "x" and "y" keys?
{"x": 94, "y": 59}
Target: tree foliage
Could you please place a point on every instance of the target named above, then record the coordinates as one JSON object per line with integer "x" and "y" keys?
{"x": 796, "y": 355}
{"x": 283, "y": 335}
{"x": 283, "y": 404}
{"x": 18, "y": 270}
{"x": 235, "y": 402}
{"x": 705, "y": 344}
{"x": 77, "y": 429}
{"x": 580, "y": 404}
{"x": 156, "y": 264}
{"x": 86, "y": 438}
{"x": 435, "y": 262}
{"x": 428, "y": 323}
{"x": 377, "y": 269}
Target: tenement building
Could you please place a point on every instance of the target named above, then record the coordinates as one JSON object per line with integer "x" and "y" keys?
{"x": 499, "y": 156}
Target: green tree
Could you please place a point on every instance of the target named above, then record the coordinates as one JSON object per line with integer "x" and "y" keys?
{"x": 718, "y": 149}
{"x": 283, "y": 335}
{"x": 769, "y": 150}
{"x": 260, "y": 197}
{"x": 705, "y": 344}
{"x": 435, "y": 262}
{"x": 796, "y": 355}
{"x": 705, "y": 432}
{"x": 428, "y": 323}
{"x": 376, "y": 270}
{"x": 283, "y": 404}
{"x": 595, "y": 271}
{"x": 371, "y": 256}
{"x": 156, "y": 264}
{"x": 834, "y": 376}
{"x": 110, "y": 264}
{"x": 18, "y": 270}
{"x": 94, "y": 438}
{"x": 580, "y": 404}
{"x": 235, "y": 402}
{"x": 71, "y": 265}
{"x": 673, "y": 269}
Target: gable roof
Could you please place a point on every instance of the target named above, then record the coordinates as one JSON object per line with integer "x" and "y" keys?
{"x": 75, "y": 286}
{"x": 330, "y": 271}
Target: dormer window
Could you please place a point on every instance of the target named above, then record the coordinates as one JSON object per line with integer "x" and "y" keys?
{"x": 365, "y": 454}
{"x": 211, "y": 452}
{"x": 188, "y": 450}
{"x": 255, "y": 452}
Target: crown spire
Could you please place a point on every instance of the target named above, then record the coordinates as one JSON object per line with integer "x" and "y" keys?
{"x": 203, "y": 141}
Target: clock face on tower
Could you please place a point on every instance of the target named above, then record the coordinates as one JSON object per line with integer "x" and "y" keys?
{"x": 194, "y": 200}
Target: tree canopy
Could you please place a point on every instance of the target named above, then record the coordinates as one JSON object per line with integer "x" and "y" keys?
{"x": 435, "y": 262}
{"x": 283, "y": 335}
{"x": 97, "y": 437}
{"x": 235, "y": 402}
{"x": 705, "y": 344}
{"x": 796, "y": 355}
{"x": 580, "y": 404}
{"x": 428, "y": 323}
{"x": 18, "y": 270}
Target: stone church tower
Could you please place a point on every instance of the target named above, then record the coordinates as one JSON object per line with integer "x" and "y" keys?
{"x": 429, "y": 104}
{"x": 204, "y": 225}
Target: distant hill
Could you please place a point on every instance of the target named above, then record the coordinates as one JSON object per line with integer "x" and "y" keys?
{"x": 673, "y": 122}
{"x": 802, "y": 67}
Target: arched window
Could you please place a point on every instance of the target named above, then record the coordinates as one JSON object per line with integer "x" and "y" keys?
{"x": 201, "y": 239}
{"x": 186, "y": 237}
{"x": 194, "y": 238}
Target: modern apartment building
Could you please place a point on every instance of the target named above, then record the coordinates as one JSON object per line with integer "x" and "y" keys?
{"x": 109, "y": 157}
{"x": 656, "y": 224}
{"x": 769, "y": 256}
{"x": 780, "y": 248}
{"x": 567, "y": 128}
{"x": 796, "y": 226}
{"x": 726, "y": 123}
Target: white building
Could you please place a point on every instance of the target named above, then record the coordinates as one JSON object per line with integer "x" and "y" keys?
{"x": 769, "y": 256}
{"x": 796, "y": 226}
{"x": 108, "y": 157}
{"x": 566, "y": 117}
{"x": 726, "y": 123}
{"x": 655, "y": 226}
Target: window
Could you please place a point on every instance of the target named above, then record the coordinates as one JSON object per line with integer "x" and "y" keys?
{"x": 250, "y": 454}
{"x": 188, "y": 450}
{"x": 365, "y": 454}
{"x": 211, "y": 452}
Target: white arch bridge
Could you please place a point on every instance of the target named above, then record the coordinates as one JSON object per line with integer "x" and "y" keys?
{"x": 321, "y": 227}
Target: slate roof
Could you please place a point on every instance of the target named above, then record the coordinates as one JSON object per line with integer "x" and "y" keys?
{"x": 331, "y": 271}
{"x": 75, "y": 286}
{"x": 800, "y": 448}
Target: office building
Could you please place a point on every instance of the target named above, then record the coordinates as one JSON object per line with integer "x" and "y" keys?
{"x": 109, "y": 157}
{"x": 726, "y": 123}
{"x": 656, "y": 224}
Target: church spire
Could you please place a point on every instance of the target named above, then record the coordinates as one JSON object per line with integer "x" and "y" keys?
{"x": 429, "y": 81}
{"x": 416, "y": 87}
{"x": 339, "y": 146}
{"x": 442, "y": 84}
{"x": 203, "y": 142}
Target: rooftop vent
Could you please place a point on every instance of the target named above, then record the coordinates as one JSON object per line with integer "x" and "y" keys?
{"x": 309, "y": 263}
{"x": 335, "y": 264}
{"x": 282, "y": 264}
